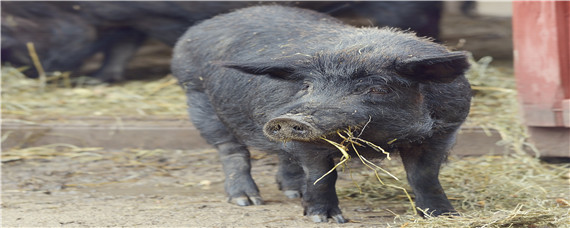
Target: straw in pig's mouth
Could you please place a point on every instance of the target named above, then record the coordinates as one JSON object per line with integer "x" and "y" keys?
{"x": 349, "y": 140}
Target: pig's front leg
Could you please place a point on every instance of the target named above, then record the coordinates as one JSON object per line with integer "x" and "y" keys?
{"x": 320, "y": 200}
{"x": 422, "y": 164}
{"x": 239, "y": 184}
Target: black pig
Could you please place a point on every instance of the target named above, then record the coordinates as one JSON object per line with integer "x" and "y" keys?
{"x": 279, "y": 78}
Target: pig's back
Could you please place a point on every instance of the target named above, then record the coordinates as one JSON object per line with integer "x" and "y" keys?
{"x": 251, "y": 34}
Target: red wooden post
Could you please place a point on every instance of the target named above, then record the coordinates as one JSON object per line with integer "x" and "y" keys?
{"x": 541, "y": 32}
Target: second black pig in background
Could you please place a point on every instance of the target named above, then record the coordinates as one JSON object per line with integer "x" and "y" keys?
{"x": 68, "y": 33}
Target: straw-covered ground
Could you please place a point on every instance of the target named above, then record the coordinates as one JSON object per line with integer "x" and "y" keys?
{"x": 62, "y": 185}
{"x": 65, "y": 185}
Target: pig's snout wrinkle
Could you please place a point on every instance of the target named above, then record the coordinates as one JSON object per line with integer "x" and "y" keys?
{"x": 291, "y": 127}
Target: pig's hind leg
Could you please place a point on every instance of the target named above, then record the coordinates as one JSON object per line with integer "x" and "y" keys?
{"x": 290, "y": 176}
{"x": 235, "y": 156}
{"x": 119, "y": 47}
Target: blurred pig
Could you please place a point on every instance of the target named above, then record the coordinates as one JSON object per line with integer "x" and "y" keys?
{"x": 62, "y": 40}
{"x": 281, "y": 79}
{"x": 68, "y": 33}
{"x": 422, "y": 17}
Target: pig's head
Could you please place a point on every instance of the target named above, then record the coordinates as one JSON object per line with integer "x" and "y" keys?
{"x": 358, "y": 91}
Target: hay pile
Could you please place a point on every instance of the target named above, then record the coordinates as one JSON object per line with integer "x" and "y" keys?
{"x": 489, "y": 191}
{"x": 494, "y": 105}
{"x": 23, "y": 97}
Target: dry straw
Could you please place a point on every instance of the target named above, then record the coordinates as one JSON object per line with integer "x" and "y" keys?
{"x": 22, "y": 100}
{"x": 349, "y": 141}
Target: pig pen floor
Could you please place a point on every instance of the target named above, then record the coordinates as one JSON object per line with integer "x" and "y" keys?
{"x": 153, "y": 188}
{"x": 64, "y": 185}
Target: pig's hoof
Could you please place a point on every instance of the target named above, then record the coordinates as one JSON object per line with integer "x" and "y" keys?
{"x": 450, "y": 214}
{"x": 320, "y": 213}
{"x": 339, "y": 218}
{"x": 319, "y": 218}
{"x": 246, "y": 201}
{"x": 87, "y": 81}
{"x": 439, "y": 213}
{"x": 292, "y": 194}
{"x": 323, "y": 218}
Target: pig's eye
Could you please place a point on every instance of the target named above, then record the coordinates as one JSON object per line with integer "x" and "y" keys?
{"x": 379, "y": 90}
{"x": 307, "y": 86}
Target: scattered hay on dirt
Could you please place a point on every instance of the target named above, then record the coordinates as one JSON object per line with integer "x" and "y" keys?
{"x": 83, "y": 154}
{"x": 505, "y": 191}
{"x": 488, "y": 191}
{"x": 22, "y": 98}
{"x": 91, "y": 166}
{"x": 50, "y": 151}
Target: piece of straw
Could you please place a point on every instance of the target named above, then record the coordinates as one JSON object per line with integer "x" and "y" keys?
{"x": 36, "y": 60}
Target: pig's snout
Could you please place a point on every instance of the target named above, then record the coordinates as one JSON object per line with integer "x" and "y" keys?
{"x": 291, "y": 127}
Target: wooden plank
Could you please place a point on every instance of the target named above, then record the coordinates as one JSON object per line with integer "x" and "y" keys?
{"x": 551, "y": 141}
{"x": 105, "y": 132}
{"x": 167, "y": 134}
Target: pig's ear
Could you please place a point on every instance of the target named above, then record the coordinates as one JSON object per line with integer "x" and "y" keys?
{"x": 276, "y": 70}
{"x": 442, "y": 68}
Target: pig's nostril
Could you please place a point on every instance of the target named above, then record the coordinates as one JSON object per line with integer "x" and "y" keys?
{"x": 299, "y": 129}
{"x": 275, "y": 129}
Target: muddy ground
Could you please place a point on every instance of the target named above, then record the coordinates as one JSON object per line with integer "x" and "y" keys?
{"x": 185, "y": 188}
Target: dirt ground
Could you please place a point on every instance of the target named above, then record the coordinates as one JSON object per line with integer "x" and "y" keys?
{"x": 166, "y": 188}
{"x": 185, "y": 188}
